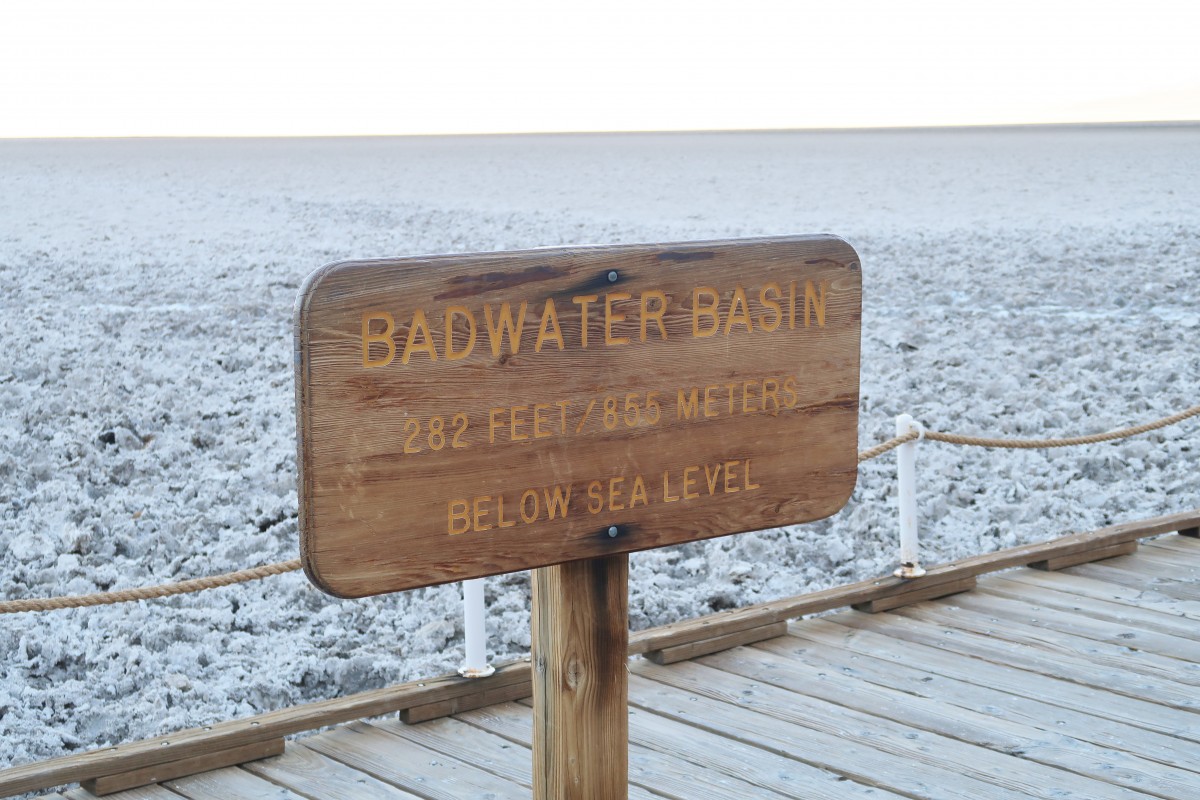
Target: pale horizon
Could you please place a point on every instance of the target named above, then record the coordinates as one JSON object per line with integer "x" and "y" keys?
{"x": 139, "y": 69}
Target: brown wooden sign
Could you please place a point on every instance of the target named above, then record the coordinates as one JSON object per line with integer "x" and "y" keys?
{"x": 469, "y": 415}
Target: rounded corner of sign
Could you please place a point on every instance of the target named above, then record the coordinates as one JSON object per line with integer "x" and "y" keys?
{"x": 850, "y": 256}
{"x": 318, "y": 580}
{"x": 312, "y": 282}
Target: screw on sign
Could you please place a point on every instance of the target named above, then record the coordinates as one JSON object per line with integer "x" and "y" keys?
{"x": 556, "y": 409}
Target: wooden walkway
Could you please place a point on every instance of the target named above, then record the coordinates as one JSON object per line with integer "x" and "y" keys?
{"x": 1083, "y": 683}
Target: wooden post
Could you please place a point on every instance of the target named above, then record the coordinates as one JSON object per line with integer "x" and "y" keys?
{"x": 580, "y": 687}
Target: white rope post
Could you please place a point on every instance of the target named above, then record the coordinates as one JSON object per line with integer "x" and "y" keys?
{"x": 475, "y": 630}
{"x": 906, "y": 473}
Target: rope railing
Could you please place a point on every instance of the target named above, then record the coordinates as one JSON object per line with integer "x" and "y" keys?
{"x": 282, "y": 567}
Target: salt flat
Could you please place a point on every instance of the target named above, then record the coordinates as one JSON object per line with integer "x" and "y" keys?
{"x": 1017, "y": 282}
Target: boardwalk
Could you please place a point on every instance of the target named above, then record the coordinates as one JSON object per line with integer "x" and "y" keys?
{"x": 1083, "y": 683}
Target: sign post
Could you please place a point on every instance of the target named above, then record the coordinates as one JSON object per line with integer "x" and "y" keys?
{"x": 469, "y": 415}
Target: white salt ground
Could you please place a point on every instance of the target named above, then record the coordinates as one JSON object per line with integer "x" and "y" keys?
{"x": 1025, "y": 282}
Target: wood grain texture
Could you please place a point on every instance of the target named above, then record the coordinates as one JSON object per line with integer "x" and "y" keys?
{"x": 1062, "y": 562}
{"x": 426, "y": 458}
{"x": 874, "y": 636}
{"x": 918, "y": 594}
{"x": 685, "y": 652}
{"x": 980, "y": 696}
{"x": 1103, "y": 581}
{"x": 108, "y": 784}
{"x": 580, "y": 636}
{"x": 320, "y": 777}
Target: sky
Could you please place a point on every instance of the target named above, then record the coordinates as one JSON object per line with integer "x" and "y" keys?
{"x": 70, "y": 68}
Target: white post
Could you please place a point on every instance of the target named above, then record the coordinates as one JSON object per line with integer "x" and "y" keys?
{"x": 906, "y": 472}
{"x": 475, "y": 630}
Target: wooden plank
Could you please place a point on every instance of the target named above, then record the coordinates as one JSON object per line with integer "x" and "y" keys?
{"x": 488, "y": 696}
{"x": 1143, "y": 618}
{"x": 698, "y": 363}
{"x": 108, "y": 784}
{"x": 1139, "y": 578}
{"x": 511, "y": 758}
{"x": 918, "y": 595}
{"x": 685, "y": 652}
{"x": 923, "y": 713}
{"x": 1166, "y": 563}
{"x": 1074, "y": 631}
{"x": 580, "y": 621}
{"x": 230, "y": 783}
{"x": 707, "y": 761}
{"x": 196, "y": 741}
{"x": 813, "y": 603}
{"x": 235, "y": 733}
{"x": 411, "y": 767}
{"x": 878, "y": 637}
{"x": 825, "y": 739}
{"x": 1077, "y": 585}
{"x": 1177, "y": 544}
{"x": 1162, "y": 679}
{"x": 1035, "y": 713}
{"x": 1099, "y": 554}
{"x": 140, "y": 793}
{"x": 319, "y": 777}
{"x": 1031, "y": 659}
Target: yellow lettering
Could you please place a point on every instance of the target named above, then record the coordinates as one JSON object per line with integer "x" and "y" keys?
{"x": 529, "y": 494}
{"x": 814, "y": 304}
{"x": 595, "y": 499}
{"x": 729, "y": 387}
{"x": 689, "y": 481}
{"x": 734, "y": 318}
{"x": 549, "y": 317}
{"x": 686, "y": 407}
{"x": 657, "y": 314}
{"x": 389, "y": 326}
{"x": 493, "y": 424}
{"x": 480, "y": 514}
{"x": 557, "y": 501}
{"x": 501, "y": 522}
{"x": 611, "y": 316}
{"x": 538, "y": 433}
{"x": 729, "y": 473}
{"x": 770, "y": 389}
{"x": 458, "y": 511}
{"x": 562, "y": 406}
{"x": 789, "y": 390}
{"x": 614, "y": 493}
{"x": 582, "y": 301}
{"x": 465, "y": 313}
{"x": 711, "y": 478}
{"x": 705, "y": 310}
{"x": 792, "y": 306}
{"x": 497, "y": 328}
{"x": 770, "y": 327}
{"x": 419, "y": 325}
{"x": 747, "y": 484}
{"x": 747, "y": 397}
{"x": 639, "y": 491}
{"x": 667, "y": 498}
{"x": 708, "y": 399}
{"x": 515, "y": 422}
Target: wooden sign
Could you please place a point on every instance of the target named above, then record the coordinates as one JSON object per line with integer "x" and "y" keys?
{"x": 468, "y": 415}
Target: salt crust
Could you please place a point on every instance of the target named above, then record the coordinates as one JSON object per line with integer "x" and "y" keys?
{"x": 1025, "y": 282}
